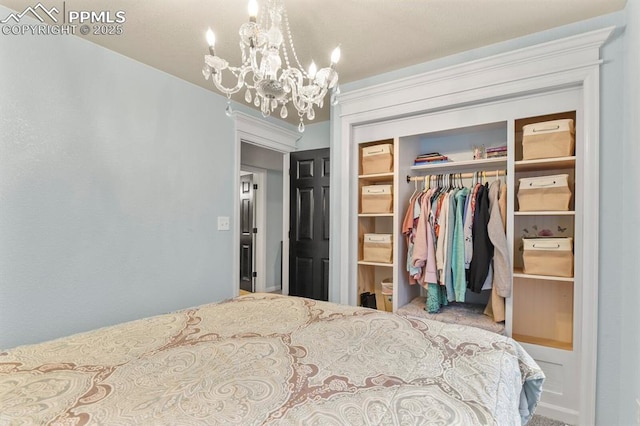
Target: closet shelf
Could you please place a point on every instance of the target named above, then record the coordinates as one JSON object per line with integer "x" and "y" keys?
{"x": 545, "y": 164}
{"x": 378, "y": 177}
{"x": 364, "y": 262}
{"x": 546, "y": 213}
{"x": 375, "y": 214}
{"x": 488, "y": 164}
{"x": 518, "y": 273}
{"x": 522, "y": 338}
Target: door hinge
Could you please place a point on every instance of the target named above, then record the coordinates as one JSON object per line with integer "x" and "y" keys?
{"x": 255, "y": 186}
{"x": 254, "y": 274}
{"x": 255, "y": 230}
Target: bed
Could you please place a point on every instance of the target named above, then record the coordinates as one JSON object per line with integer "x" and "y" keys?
{"x": 271, "y": 359}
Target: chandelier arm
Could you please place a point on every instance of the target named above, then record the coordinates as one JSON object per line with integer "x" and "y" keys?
{"x": 298, "y": 101}
{"x": 217, "y": 81}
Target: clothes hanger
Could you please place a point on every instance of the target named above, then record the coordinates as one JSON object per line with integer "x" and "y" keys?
{"x": 415, "y": 191}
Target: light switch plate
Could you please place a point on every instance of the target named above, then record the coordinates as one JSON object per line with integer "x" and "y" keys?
{"x": 223, "y": 223}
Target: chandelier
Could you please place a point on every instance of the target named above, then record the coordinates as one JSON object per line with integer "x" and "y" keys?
{"x": 267, "y": 83}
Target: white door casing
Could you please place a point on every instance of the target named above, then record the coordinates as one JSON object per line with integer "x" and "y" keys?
{"x": 270, "y": 136}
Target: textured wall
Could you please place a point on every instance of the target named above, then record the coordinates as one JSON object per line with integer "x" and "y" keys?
{"x": 111, "y": 177}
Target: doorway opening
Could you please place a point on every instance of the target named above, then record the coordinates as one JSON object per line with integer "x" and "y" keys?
{"x": 279, "y": 142}
{"x": 261, "y": 219}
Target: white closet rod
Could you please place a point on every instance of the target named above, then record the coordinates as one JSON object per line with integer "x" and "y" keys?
{"x": 460, "y": 175}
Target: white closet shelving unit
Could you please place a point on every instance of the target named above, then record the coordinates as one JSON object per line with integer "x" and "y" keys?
{"x": 554, "y": 318}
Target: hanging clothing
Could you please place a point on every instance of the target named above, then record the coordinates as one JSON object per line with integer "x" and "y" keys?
{"x": 482, "y": 246}
{"x": 409, "y": 230}
{"x": 458, "y": 261}
{"x": 502, "y": 203}
{"x": 501, "y": 263}
{"x": 423, "y": 255}
{"x": 442, "y": 216}
{"x": 468, "y": 226}
{"x": 496, "y": 306}
{"x": 448, "y": 248}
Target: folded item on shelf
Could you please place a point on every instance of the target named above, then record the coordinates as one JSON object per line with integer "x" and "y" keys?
{"x": 496, "y": 149}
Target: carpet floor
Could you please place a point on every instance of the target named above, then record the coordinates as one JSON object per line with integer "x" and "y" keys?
{"x": 537, "y": 420}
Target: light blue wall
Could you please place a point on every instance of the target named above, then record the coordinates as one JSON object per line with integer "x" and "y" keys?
{"x": 315, "y": 136}
{"x": 629, "y": 362}
{"x": 112, "y": 175}
{"x": 619, "y": 321}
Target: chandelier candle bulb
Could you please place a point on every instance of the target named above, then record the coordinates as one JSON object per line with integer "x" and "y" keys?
{"x": 211, "y": 41}
{"x": 253, "y": 10}
{"x": 312, "y": 70}
{"x": 335, "y": 56}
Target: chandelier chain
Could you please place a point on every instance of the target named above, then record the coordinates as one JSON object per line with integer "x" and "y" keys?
{"x": 293, "y": 49}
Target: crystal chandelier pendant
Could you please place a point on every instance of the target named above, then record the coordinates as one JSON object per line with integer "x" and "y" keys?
{"x": 228, "y": 110}
{"x": 276, "y": 75}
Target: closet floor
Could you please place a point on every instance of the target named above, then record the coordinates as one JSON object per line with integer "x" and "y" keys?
{"x": 454, "y": 313}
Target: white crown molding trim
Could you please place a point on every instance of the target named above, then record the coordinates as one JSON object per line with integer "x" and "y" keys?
{"x": 546, "y": 58}
{"x": 261, "y": 132}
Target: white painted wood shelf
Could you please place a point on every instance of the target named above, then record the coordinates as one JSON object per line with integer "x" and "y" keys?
{"x": 378, "y": 177}
{"x": 545, "y": 164}
{"x": 463, "y": 166}
{"x": 364, "y": 262}
{"x": 518, "y": 273}
{"x": 547, "y": 213}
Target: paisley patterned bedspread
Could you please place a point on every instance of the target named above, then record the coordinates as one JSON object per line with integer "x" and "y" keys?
{"x": 270, "y": 359}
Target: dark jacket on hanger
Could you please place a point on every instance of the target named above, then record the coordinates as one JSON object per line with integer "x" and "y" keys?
{"x": 482, "y": 246}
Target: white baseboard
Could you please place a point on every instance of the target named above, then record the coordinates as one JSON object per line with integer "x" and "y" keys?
{"x": 272, "y": 288}
{"x": 560, "y": 414}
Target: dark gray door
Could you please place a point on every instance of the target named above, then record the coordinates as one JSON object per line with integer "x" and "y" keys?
{"x": 309, "y": 218}
{"x": 246, "y": 232}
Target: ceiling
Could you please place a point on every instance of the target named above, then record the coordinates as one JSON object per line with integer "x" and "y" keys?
{"x": 375, "y": 36}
